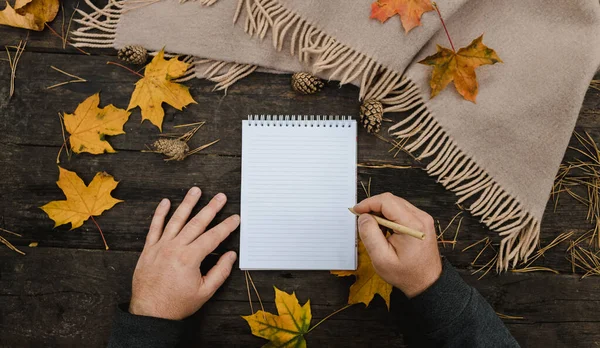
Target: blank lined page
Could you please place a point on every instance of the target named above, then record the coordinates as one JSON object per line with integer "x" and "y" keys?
{"x": 298, "y": 181}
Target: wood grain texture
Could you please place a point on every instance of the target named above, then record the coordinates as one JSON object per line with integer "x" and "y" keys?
{"x": 66, "y": 297}
{"x": 64, "y": 292}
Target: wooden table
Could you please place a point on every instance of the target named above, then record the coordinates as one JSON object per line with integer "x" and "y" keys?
{"x": 64, "y": 292}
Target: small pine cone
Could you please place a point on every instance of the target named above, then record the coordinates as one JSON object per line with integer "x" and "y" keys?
{"x": 133, "y": 54}
{"x": 175, "y": 149}
{"x": 371, "y": 113}
{"x": 305, "y": 83}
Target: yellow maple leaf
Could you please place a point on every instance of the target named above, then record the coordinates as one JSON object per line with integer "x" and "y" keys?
{"x": 459, "y": 67}
{"x": 286, "y": 329}
{"x": 156, "y": 87}
{"x": 29, "y": 14}
{"x": 410, "y": 11}
{"x": 368, "y": 282}
{"x": 89, "y": 124}
{"x": 82, "y": 201}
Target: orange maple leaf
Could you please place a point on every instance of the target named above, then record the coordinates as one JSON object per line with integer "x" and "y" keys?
{"x": 459, "y": 67}
{"x": 410, "y": 11}
{"x": 368, "y": 282}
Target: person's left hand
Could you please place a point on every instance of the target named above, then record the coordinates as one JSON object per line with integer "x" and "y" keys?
{"x": 167, "y": 282}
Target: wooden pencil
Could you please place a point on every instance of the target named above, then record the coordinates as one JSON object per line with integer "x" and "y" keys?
{"x": 397, "y": 228}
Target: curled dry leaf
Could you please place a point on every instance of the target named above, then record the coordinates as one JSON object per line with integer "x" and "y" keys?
{"x": 410, "y": 11}
{"x": 286, "y": 329}
{"x": 82, "y": 201}
{"x": 459, "y": 67}
{"x": 368, "y": 282}
{"x": 89, "y": 125}
{"x": 156, "y": 87}
{"x": 29, "y": 14}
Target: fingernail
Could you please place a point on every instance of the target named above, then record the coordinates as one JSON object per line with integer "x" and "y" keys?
{"x": 363, "y": 218}
{"x": 194, "y": 191}
{"x": 232, "y": 255}
{"x": 220, "y": 197}
{"x": 164, "y": 202}
{"x": 235, "y": 218}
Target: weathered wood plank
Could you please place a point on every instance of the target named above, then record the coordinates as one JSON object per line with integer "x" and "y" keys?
{"x": 29, "y": 182}
{"x": 66, "y": 297}
{"x": 258, "y": 94}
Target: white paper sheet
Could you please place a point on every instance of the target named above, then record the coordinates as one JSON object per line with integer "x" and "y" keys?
{"x": 298, "y": 181}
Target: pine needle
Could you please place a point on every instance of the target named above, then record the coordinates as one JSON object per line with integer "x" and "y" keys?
{"x": 10, "y": 232}
{"x": 248, "y": 289}
{"x": 200, "y": 148}
{"x": 76, "y": 78}
{"x": 13, "y": 62}
{"x": 595, "y": 84}
{"x": 10, "y": 246}
{"x": 534, "y": 269}
{"x": 257, "y": 295}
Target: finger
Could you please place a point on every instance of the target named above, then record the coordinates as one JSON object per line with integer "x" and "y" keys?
{"x": 375, "y": 242}
{"x": 158, "y": 221}
{"x": 218, "y": 274}
{"x": 197, "y": 225}
{"x": 210, "y": 240}
{"x": 391, "y": 207}
{"x": 182, "y": 213}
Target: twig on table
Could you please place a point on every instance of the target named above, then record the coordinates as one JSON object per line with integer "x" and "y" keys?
{"x": 13, "y": 61}
{"x": 509, "y": 317}
{"x": 75, "y": 78}
{"x": 62, "y": 39}
{"x": 329, "y": 316}
{"x": 126, "y": 68}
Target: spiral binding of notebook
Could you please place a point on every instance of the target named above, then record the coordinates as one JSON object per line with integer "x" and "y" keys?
{"x": 299, "y": 120}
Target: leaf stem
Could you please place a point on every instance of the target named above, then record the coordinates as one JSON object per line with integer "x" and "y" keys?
{"x": 444, "y": 25}
{"x": 126, "y": 68}
{"x": 101, "y": 234}
{"x": 329, "y": 316}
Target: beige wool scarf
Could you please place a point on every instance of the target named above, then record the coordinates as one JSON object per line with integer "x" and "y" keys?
{"x": 500, "y": 155}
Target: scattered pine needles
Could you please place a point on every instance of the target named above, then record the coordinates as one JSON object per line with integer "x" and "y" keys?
{"x": 582, "y": 173}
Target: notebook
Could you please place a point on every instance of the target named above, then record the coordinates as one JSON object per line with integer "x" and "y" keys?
{"x": 298, "y": 181}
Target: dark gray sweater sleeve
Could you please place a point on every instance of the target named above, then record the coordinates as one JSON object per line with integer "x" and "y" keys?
{"x": 132, "y": 331}
{"x": 451, "y": 313}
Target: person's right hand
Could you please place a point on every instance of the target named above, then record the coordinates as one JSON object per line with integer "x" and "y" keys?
{"x": 410, "y": 264}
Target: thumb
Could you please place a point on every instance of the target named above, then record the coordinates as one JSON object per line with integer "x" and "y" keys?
{"x": 372, "y": 237}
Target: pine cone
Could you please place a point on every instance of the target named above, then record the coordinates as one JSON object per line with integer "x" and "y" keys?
{"x": 133, "y": 54}
{"x": 371, "y": 113}
{"x": 175, "y": 149}
{"x": 305, "y": 83}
